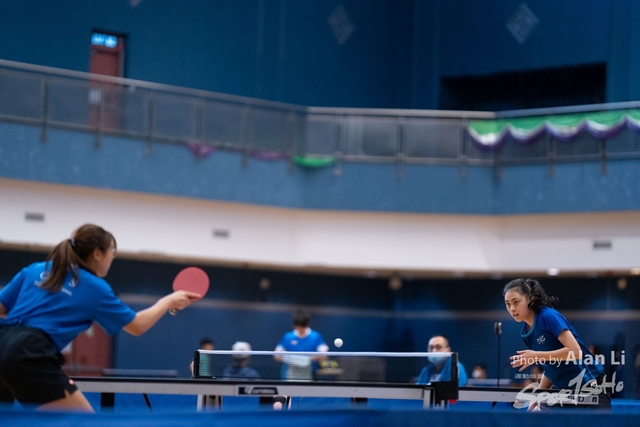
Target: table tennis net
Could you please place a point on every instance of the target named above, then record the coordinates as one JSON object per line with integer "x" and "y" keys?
{"x": 335, "y": 367}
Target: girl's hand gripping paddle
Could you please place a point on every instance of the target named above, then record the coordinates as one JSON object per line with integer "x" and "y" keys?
{"x": 191, "y": 279}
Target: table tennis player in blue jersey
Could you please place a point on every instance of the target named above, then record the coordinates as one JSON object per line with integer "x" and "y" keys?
{"x": 302, "y": 338}
{"x": 47, "y": 304}
{"x": 552, "y": 342}
{"x": 439, "y": 367}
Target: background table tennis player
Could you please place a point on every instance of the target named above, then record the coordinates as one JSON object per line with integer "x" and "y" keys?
{"x": 191, "y": 279}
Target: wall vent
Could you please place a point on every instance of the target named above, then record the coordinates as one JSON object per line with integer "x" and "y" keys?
{"x": 602, "y": 244}
{"x": 221, "y": 234}
{"x": 34, "y": 216}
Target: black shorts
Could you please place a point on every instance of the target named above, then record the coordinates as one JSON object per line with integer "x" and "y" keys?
{"x": 30, "y": 367}
{"x": 604, "y": 399}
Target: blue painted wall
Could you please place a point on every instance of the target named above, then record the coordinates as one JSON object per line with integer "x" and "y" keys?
{"x": 478, "y": 42}
{"x": 71, "y": 158}
{"x": 274, "y": 49}
{"x": 285, "y": 50}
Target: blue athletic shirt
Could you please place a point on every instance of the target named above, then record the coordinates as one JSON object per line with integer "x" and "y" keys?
{"x": 313, "y": 341}
{"x": 66, "y": 313}
{"x": 543, "y": 336}
{"x": 428, "y": 374}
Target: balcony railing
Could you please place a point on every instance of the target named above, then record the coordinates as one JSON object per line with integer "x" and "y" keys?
{"x": 103, "y": 105}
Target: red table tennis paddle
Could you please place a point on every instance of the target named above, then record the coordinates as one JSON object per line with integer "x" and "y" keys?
{"x": 191, "y": 279}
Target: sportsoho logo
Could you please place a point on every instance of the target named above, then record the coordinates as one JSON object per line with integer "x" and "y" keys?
{"x": 578, "y": 392}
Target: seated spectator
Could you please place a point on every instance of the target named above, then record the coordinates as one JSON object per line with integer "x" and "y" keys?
{"x": 479, "y": 372}
{"x": 240, "y": 367}
{"x": 439, "y": 368}
{"x": 205, "y": 344}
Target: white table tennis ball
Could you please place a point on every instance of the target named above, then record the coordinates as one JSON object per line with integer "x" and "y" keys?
{"x": 338, "y": 342}
{"x": 277, "y": 406}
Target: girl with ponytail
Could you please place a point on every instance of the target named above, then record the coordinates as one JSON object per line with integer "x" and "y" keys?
{"x": 47, "y": 304}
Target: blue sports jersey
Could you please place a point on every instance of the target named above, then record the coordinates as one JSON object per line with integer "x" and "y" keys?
{"x": 543, "y": 336}
{"x": 313, "y": 341}
{"x": 429, "y": 374}
{"x": 64, "y": 314}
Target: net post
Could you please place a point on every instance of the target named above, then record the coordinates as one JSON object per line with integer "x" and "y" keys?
{"x": 196, "y": 364}
{"x": 454, "y": 364}
{"x": 442, "y": 392}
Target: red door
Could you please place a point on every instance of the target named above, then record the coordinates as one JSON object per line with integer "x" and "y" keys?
{"x": 107, "y": 58}
{"x": 89, "y": 353}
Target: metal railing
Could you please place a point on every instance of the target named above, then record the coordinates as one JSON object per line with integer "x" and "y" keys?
{"x": 420, "y": 136}
{"x": 106, "y": 105}
{"x": 103, "y": 105}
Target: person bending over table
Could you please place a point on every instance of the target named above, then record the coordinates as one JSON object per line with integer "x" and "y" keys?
{"x": 552, "y": 342}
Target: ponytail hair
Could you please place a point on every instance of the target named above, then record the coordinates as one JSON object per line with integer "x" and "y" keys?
{"x": 533, "y": 291}
{"x": 74, "y": 252}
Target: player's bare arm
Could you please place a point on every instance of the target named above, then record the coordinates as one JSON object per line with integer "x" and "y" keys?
{"x": 148, "y": 317}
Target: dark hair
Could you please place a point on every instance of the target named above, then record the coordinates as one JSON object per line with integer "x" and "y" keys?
{"x": 74, "y": 252}
{"x": 440, "y": 335}
{"x": 204, "y": 341}
{"x": 534, "y": 291}
{"x": 301, "y": 317}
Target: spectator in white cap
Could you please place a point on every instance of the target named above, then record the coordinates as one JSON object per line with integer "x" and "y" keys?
{"x": 240, "y": 367}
